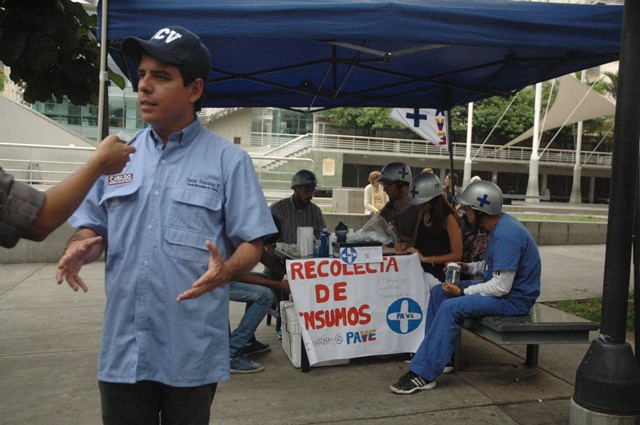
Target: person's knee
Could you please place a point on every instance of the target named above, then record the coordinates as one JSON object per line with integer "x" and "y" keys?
{"x": 265, "y": 296}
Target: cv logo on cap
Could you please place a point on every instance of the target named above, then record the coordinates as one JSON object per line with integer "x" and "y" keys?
{"x": 167, "y": 34}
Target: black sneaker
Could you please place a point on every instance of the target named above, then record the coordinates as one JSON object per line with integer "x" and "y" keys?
{"x": 241, "y": 364}
{"x": 254, "y": 347}
{"x": 410, "y": 382}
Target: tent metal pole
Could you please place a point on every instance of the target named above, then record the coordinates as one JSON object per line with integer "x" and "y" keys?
{"x": 467, "y": 158}
{"x": 452, "y": 183}
{"x": 608, "y": 379}
{"x": 103, "y": 127}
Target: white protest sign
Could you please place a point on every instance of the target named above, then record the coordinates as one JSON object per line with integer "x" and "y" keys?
{"x": 349, "y": 310}
{"x": 430, "y": 124}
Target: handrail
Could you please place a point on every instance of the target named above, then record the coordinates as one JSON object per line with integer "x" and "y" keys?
{"x": 287, "y": 145}
{"x": 421, "y": 147}
{"x": 58, "y": 147}
{"x": 39, "y": 155}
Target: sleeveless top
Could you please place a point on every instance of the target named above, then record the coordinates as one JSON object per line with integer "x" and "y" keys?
{"x": 432, "y": 241}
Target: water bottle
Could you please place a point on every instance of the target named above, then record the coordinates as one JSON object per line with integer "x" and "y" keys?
{"x": 453, "y": 273}
{"x": 333, "y": 239}
{"x": 341, "y": 232}
{"x": 324, "y": 244}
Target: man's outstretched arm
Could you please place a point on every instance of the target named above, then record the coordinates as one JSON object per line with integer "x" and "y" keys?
{"x": 63, "y": 199}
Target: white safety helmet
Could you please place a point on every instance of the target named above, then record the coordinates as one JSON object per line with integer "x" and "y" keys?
{"x": 424, "y": 188}
{"x": 304, "y": 178}
{"x": 395, "y": 171}
{"x": 482, "y": 196}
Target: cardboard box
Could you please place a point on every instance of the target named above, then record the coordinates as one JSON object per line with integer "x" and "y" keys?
{"x": 291, "y": 338}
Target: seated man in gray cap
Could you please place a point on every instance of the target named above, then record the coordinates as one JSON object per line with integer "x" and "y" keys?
{"x": 296, "y": 211}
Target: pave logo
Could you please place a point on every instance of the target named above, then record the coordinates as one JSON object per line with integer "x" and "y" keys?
{"x": 360, "y": 337}
{"x": 404, "y": 316}
{"x": 117, "y": 179}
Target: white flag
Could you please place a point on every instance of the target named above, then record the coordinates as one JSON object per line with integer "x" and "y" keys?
{"x": 430, "y": 124}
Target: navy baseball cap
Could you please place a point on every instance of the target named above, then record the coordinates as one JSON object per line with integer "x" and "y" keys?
{"x": 175, "y": 45}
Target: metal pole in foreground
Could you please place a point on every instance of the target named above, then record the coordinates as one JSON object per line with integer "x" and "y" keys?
{"x": 103, "y": 103}
{"x": 452, "y": 182}
{"x": 607, "y": 386}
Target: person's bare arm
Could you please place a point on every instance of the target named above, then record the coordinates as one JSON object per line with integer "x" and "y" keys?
{"x": 220, "y": 271}
{"x": 256, "y": 279}
{"x": 271, "y": 260}
{"x": 455, "y": 241}
{"x": 63, "y": 199}
{"x": 85, "y": 246}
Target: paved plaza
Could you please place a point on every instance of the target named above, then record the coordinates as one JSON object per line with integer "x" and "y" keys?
{"x": 49, "y": 340}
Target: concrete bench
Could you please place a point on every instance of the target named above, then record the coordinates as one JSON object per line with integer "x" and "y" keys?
{"x": 543, "y": 325}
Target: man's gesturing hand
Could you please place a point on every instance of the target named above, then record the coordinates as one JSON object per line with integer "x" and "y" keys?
{"x": 73, "y": 259}
{"x": 214, "y": 277}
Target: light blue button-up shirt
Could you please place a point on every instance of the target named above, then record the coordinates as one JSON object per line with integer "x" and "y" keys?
{"x": 156, "y": 216}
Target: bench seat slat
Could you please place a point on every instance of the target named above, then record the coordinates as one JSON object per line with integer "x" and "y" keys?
{"x": 543, "y": 325}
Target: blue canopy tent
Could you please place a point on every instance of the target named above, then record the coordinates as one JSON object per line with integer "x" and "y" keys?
{"x": 410, "y": 53}
{"x": 425, "y": 54}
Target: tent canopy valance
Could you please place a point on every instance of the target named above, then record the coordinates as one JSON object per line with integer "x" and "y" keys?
{"x": 410, "y": 53}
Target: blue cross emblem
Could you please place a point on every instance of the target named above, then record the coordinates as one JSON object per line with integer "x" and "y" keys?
{"x": 484, "y": 200}
{"x": 404, "y": 315}
{"x": 403, "y": 172}
{"x": 416, "y": 116}
{"x": 414, "y": 192}
{"x": 348, "y": 255}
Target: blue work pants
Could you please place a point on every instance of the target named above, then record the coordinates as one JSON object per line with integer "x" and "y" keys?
{"x": 445, "y": 316}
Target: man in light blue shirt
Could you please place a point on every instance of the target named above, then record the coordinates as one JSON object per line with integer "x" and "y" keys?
{"x": 181, "y": 220}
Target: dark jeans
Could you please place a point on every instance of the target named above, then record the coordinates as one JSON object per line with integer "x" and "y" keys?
{"x": 152, "y": 403}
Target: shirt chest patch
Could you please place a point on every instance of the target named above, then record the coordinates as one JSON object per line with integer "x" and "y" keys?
{"x": 204, "y": 184}
{"x": 118, "y": 179}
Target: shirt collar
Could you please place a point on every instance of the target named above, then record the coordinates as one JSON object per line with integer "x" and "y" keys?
{"x": 181, "y": 138}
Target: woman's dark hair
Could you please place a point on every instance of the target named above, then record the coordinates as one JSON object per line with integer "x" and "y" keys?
{"x": 455, "y": 178}
{"x": 440, "y": 209}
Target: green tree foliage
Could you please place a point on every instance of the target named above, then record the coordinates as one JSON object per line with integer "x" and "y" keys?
{"x": 601, "y": 129}
{"x": 517, "y": 119}
{"x": 497, "y": 118}
{"x": 51, "y": 46}
{"x": 366, "y": 120}
{"x": 3, "y": 79}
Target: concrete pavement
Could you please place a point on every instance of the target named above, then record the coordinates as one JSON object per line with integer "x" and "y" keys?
{"x": 49, "y": 339}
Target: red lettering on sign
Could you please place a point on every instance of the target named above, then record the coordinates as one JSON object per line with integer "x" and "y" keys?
{"x": 321, "y": 265}
{"x": 322, "y": 293}
{"x": 342, "y": 316}
{"x": 339, "y": 289}
{"x": 393, "y": 263}
{"x": 296, "y": 271}
{"x": 326, "y": 268}
{"x": 309, "y": 270}
{"x": 365, "y": 317}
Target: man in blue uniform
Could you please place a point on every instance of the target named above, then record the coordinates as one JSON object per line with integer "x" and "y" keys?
{"x": 510, "y": 286}
{"x": 181, "y": 220}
